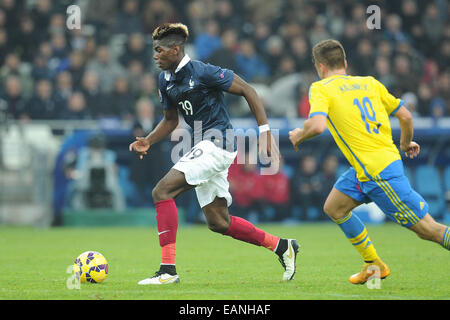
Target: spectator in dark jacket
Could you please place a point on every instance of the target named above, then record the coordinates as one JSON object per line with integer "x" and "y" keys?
{"x": 96, "y": 101}
{"x": 128, "y": 19}
{"x": 249, "y": 64}
{"x": 225, "y": 56}
{"x": 306, "y": 186}
{"x": 63, "y": 89}
{"x": 25, "y": 40}
{"x": 12, "y": 99}
{"x": 136, "y": 50}
{"x": 207, "y": 42}
{"x": 42, "y": 105}
{"x": 120, "y": 101}
{"x": 76, "y": 108}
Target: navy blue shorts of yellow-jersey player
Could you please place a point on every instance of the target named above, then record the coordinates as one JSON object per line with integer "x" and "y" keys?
{"x": 391, "y": 192}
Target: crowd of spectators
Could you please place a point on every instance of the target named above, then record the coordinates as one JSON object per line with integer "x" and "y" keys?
{"x": 101, "y": 70}
{"x": 105, "y": 69}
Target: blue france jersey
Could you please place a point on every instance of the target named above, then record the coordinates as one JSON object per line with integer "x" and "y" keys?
{"x": 196, "y": 89}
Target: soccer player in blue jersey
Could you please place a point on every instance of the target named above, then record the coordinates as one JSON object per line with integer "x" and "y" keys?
{"x": 195, "y": 90}
{"x": 356, "y": 110}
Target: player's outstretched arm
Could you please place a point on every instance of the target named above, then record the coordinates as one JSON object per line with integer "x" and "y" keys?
{"x": 409, "y": 147}
{"x": 242, "y": 88}
{"x": 162, "y": 130}
{"x": 311, "y": 128}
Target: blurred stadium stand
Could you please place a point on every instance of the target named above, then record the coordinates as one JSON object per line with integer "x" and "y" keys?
{"x": 60, "y": 87}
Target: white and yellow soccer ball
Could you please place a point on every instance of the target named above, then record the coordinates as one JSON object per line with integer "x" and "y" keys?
{"x": 90, "y": 266}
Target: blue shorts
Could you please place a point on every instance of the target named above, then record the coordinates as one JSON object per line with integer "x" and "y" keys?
{"x": 390, "y": 191}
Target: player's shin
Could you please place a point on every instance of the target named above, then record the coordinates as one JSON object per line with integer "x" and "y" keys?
{"x": 244, "y": 230}
{"x": 167, "y": 222}
{"x": 357, "y": 234}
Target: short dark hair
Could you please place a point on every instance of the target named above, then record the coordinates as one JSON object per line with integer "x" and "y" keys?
{"x": 172, "y": 34}
{"x": 329, "y": 52}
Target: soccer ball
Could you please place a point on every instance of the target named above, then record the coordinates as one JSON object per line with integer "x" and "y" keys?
{"x": 90, "y": 266}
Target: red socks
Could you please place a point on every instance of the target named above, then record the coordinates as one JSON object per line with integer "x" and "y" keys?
{"x": 243, "y": 230}
{"x": 167, "y": 222}
{"x": 240, "y": 229}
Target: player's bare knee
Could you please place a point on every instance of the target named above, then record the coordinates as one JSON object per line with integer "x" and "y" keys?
{"x": 155, "y": 194}
{"x": 334, "y": 212}
{"x": 327, "y": 209}
{"x": 159, "y": 194}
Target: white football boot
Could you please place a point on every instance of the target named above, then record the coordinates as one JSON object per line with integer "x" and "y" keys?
{"x": 160, "y": 278}
{"x": 288, "y": 259}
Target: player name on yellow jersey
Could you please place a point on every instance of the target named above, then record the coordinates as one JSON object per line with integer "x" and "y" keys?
{"x": 353, "y": 86}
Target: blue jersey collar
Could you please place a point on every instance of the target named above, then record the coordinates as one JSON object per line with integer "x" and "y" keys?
{"x": 182, "y": 63}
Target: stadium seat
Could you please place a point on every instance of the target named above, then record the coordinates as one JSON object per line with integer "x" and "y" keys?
{"x": 341, "y": 169}
{"x": 288, "y": 171}
{"x": 269, "y": 213}
{"x": 312, "y": 213}
{"x": 409, "y": 173}
{"x": 429, "y": 185}
{"x": 296, "y": 213}
{"x": 446, "y": 218}
{"x": 447, "y": 178}
{"x": 443, "y": 155}
{"x": 128, "y": 188}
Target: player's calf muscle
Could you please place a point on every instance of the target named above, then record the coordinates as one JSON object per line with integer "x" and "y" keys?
{"x": 428, "y": 229}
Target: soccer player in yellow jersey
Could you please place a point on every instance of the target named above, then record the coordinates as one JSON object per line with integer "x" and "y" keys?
{"x": 356, "y": 110}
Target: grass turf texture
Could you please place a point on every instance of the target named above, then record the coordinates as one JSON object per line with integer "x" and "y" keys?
{"x": 33, "y": 264}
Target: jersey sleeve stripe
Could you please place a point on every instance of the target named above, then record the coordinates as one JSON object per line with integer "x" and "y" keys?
{"x": 316, "y": 113}
{"x": 398, "y": 107}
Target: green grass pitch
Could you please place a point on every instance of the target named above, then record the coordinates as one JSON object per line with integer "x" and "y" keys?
{"x": 33, "y": 264}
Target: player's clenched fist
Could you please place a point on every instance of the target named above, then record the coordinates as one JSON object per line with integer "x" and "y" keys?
{"x": 140, "y": 146}
{"x": 267, "y": 147}
{"x": 294, "y": 137}
{"x": 412, "y": 150}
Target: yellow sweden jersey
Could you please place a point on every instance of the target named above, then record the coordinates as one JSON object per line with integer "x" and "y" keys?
{"x": 357, "y": 110}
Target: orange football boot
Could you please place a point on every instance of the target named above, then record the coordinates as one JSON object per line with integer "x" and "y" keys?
{"x": 370, "y": 269}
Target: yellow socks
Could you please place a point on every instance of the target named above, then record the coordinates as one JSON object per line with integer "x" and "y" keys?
{"x": 356, "y": 232}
